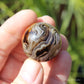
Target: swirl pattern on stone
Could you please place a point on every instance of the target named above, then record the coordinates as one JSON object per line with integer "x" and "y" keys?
{"x": 41, "y": 41}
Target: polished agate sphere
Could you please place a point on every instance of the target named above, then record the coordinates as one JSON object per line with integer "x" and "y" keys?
{"x": 41, "y": 41}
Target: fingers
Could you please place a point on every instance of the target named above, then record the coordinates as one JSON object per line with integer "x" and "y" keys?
{"x": 61, "y": 66}
{"x": 13, "y": 67}
{"x": 64, "y": 42}
{"x": 31, "y": 73}
{"x": 57, "y": 71}
{"x": 46, "y": 19}
{"x": 11, "y": 32}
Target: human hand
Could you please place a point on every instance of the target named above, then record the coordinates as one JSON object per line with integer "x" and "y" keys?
{"x": 14, "y": 68}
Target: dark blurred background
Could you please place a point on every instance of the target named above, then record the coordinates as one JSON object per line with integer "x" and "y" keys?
{"x": 69, "y": 18}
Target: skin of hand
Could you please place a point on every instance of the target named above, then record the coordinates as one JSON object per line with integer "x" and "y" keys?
{"x": 15, "y": 68}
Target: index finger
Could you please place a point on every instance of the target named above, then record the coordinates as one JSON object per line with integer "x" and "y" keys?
{"x": 11, "y": 32}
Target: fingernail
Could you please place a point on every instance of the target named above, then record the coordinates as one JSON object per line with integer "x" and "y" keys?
{"x": 30, "y": 71}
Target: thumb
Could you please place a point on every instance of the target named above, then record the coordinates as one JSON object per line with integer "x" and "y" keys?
{"x": 30, "y": 73}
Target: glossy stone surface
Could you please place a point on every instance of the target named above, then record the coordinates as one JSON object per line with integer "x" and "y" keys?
{"x": 41, "y": 41}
